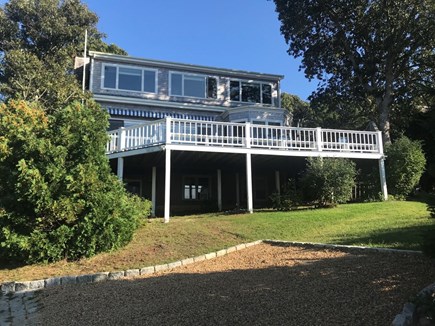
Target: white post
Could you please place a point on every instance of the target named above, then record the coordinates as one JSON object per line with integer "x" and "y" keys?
{"x": 168, "y": 130}
{"x": 237, "y": 190}
{"x": 248, "y": 135}
{"x": 167, "y": 185}
{"x": 319, "y": 139}
{"x": 219, "y": 189}
{"x": 249, "y": 183}
{"x": 277, "y": 182}
{"x": 153, "y": 191}
{"x": 84, "y": 61}
{"x": 121, "y": 139}
{"x": 382, "y": 175}
{"x": 120, "y": 172}
{"x": 383, "y": 179}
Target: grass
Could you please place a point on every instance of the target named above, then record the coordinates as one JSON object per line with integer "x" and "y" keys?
{"x": 388, "y": 224}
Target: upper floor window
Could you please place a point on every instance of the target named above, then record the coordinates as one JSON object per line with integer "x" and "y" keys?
{"x": 193, "y": 85}
{"x": 130, "y": 79}
{"x": 251, "y": 92}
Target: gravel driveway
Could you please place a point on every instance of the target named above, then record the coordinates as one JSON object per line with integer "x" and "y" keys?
{"x": 261, "y": 285}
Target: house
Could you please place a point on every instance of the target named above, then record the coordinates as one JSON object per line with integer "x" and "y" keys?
{"x": 196, "y": 138}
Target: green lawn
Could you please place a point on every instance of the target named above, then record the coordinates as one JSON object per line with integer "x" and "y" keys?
{"x": 388, "y": 224}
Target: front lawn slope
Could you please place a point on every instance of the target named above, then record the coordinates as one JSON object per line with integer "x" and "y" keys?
{"x": 388, "y": 224}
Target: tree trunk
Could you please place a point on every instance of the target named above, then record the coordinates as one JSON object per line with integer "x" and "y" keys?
{"x": 384, "y": 121}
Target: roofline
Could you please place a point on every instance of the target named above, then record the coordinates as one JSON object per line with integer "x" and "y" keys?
{"x": 191, "y": 67}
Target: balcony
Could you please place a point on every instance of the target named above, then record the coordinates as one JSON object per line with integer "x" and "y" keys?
{"x": 205, "y": 136}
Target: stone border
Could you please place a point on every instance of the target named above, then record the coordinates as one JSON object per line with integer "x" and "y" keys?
{"x": 22, "y": 286}
{"x": 405, "y": 318}
{"x": 340, "y": 247}
{"x": 408, "y": 315}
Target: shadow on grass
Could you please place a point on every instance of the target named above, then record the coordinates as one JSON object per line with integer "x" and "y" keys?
{"x": 357, "y": 289}
{"x": 411, "y": 237}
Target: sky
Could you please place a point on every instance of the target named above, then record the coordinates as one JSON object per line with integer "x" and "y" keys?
{"x": 233, "y": 34}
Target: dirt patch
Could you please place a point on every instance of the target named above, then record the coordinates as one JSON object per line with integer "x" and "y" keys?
{"x": 261, "y": 285}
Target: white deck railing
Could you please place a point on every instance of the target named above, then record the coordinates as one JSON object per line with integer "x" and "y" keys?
{"x": 223, "y": 134}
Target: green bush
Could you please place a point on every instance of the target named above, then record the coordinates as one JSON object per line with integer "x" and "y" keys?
{"x": 328, "y": 181}
{"x": 288, "y": 199}
{"x": 58, "y": 197}
{"x": 404, "y": 166}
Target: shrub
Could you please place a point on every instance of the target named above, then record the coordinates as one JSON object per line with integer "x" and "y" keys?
{"x": 58, "y": 197}
{"x": 328, "y": 181}
{"x": 288, "y": 199}
{"x": 404, "y": 166}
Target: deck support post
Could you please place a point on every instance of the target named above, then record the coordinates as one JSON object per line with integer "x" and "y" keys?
{"x": 383, "y": 179}
{"x": 249, "y": 183}
{"x": 153, "y": 191}
{"x": 120, "y": 169}
{"x": 382, "y": 176}
{"x": 167, "y": 184}
{"x": 277, "y": 183}
{"x": 237, "y": 190}
{"x": 219, "y": 189}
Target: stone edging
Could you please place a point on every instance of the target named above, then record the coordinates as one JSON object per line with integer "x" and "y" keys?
{"x": 11, "y": 287}
{"x": 408, "y": 316}
{"x": 405, "y": 318}
{"x": 341, "y": 247}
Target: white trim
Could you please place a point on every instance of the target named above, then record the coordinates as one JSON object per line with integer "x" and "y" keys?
{"x": 167, "y": 212}
{"x": 182, "y": 66}
{"x": 117, "y": 67}
{"x": 159, "y": 103}
{"x": 249, "y": 200}
{"x": 91, "y": 75}
{"x": 120, "y": 168}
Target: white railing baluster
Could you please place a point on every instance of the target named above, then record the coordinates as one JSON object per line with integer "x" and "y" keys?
{"x": 227, "y": 134}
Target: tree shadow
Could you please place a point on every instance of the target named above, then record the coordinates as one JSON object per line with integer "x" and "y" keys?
{"x": 410, "y": 237}
{"x": 343, "y": 289}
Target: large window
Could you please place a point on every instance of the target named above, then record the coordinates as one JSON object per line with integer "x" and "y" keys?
{"x": 193, "y": 85}
{"x": 250, "y": 92}
{"x": 196, "y": 188}
{"x": 130, "y": 79}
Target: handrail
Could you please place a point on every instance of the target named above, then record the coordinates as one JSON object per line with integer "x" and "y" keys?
{"x": 230, "y": 134}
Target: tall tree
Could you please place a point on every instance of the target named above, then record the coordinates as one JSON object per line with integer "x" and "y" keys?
{"x": 38, "y": 42}
{"x": 376, "y": 56}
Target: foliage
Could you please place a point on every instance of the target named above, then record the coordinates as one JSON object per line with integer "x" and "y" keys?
{"x": 375, "y": 58}
{"x": 58, "y": 197}
{"x": 302, "y": 114}
{"x": 404, "y": 166}
{"x": 422, "y": 128}
{"x": 288, "y": 199}
{"x": 328, "y": 181}
{"x": 38, "y": 43}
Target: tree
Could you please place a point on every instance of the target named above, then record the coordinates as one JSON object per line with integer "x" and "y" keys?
{"x": 58, "y": 197}
{"x": 405, "y": 166}
{"x": 301, "y": 112}
{"x": 373, "y": 56}
{"x": 38, "y": 43}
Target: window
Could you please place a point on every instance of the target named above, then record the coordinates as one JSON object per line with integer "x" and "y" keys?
{"x": 249, "y": 92}
{"x": 196, "y": 188}
{"x": 130, "y": 79}
{"x": 193, "y": 85}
